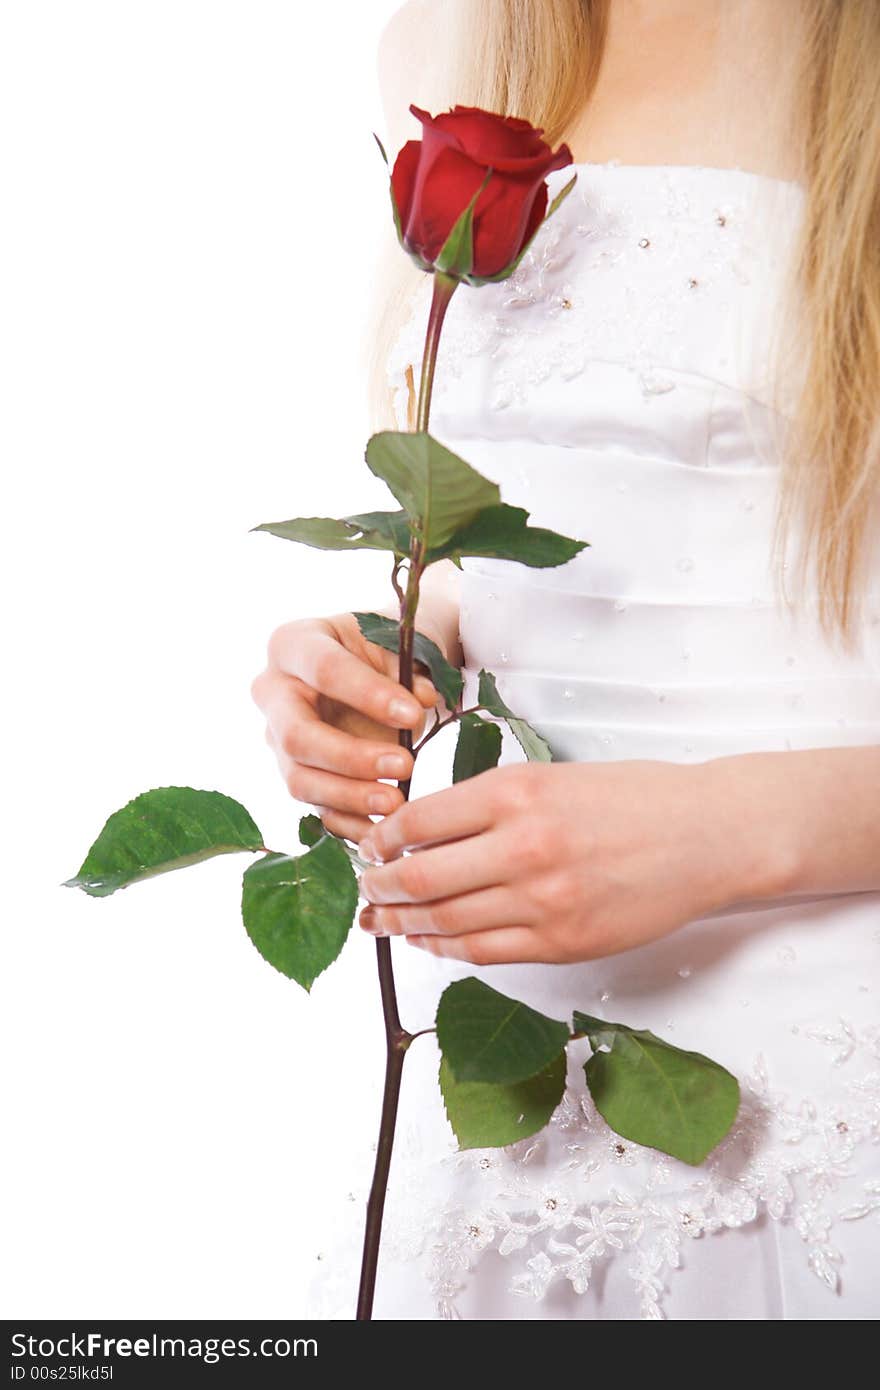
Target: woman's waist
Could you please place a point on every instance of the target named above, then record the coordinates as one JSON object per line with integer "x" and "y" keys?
{"x": 635, "y": 676}
{"x": 588, "y": 717}
{"x": 554, "y": 622}
{"x": 795, "y": 982}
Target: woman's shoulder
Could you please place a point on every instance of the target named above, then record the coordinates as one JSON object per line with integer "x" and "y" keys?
{"x": 408, "y": 28}
{"x": 410, "y": 58}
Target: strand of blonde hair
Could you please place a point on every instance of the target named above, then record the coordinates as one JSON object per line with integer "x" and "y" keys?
{"x": 540, "y": 59}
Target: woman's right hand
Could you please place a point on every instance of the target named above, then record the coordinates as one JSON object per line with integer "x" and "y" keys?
{"x": 329, "y": 697}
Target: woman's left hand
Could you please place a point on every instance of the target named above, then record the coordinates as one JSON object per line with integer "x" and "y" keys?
{"x": 563, "y": 862}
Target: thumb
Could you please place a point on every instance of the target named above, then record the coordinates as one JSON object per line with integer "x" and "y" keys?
{"x": 423, "y": 687}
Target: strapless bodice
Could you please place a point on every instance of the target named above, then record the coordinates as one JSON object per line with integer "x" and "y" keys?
{"x": 621, "y": 386}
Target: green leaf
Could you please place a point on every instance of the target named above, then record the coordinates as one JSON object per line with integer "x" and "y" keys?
{"x": 681, "y": 1103}
{"x": 439, "y": 492}
{"x": 503, "y": 532}
{"x": 536, "y": 748}
{"x": 478, "y": 747}
{"x": 311, "y": 828}
{"x": 168, "y": 828}
{"x": 385, "y": 632}
{"x": 362, "y": 531}
{"x": 484, "y": 1116}
{"x": 560, "y": 196}
{"x": 456, "y": 256}
{"x": 381, "y": 147}
{"x": 298, "y": 912}
{"x": 486, "y": 1036}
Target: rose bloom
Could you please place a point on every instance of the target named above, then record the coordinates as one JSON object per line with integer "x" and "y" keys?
{"x": 435, "y": 178}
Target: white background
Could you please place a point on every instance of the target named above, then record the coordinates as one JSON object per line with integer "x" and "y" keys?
{"x": 192, "y": 195}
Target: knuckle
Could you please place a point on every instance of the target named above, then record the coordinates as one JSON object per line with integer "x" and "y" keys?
{"x": 361, "y": 764}
{"x": 532, "y": 851}
{"x": 279, "y": 641}
{"x": 413, "y": 878}
{"x": 290, "y": 739}
{"x": 443, "y": 918}
{"x": 364, "y": 795}
{"x": 516, "y": 790}
{"x": 552, "y": 893}
{"x": 369, "y": 788}
{"x": 334, "y": 821}
{"x": 258, "y": 688}
{"x": 412, "y": 824}
{"x": 382, "y": 689}
{"x": 391, "y": 921}
{"x": 478, "y": 951}
{"x": 297, "y": 780}
{"x": 322, "y": 665}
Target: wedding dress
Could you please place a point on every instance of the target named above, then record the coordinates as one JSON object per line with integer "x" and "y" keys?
{"x": 618, "y": 387}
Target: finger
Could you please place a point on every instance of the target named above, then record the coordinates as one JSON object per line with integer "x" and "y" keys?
{"x": 307, "y": 738}
{"x": 505, "y": 946}
{"x": 361, "y": 825}
{"x": 343, "y": 823}
{"x": 448, "y": 814}
{"x": 323, "y": 663}
{"x": 477, "y": 862}
{"x": 425, "y": 690}
{"x": 311, "y": 785}
{"x": 389, "y": 661}
{"x": 453, "y": 916}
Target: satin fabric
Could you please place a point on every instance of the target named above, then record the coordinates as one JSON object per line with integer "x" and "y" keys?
{"x": 626, "y": 387}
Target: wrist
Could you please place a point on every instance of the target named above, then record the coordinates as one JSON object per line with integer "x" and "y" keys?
{"x": 757, "y": 831}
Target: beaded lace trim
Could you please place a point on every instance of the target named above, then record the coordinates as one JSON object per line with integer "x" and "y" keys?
{"x": 647, "y": 275}
{"x": 791, "y": 1159}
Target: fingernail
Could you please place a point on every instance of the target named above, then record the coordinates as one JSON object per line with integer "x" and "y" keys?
{"x": 378, "y": 802}
{"x": 367, "y": 850}
{"x": 367, "y": 919}
{"x": 403, "y": 710}
{"x": 391, "y": 765}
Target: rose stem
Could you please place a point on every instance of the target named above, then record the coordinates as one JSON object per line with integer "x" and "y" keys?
{"x": 397, "y": 1039}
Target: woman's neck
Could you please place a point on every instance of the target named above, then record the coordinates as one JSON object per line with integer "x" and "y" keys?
{"x": 692, "y": 82}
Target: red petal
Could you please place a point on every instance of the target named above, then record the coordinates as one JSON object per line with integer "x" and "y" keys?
{"x": 435, "y": 134}
{"x": 536, "y": 167}
{"x": 536, "y": 216}
{"x": 443, "y": 191}
{"x": 487, "y": 137}
{"x": 403, "y": 178}
{"x": 456, "y": 149}
{"x": 501, "y": 221}
{"x": 502, "y": 141}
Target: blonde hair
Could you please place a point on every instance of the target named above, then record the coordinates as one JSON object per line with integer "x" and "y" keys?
{"x": 539, "y": 59}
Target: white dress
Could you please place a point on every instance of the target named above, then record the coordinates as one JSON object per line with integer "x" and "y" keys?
{"x": 618, "y": 387}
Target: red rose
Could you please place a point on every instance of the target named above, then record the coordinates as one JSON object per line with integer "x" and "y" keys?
{"x": 434, "y": 180}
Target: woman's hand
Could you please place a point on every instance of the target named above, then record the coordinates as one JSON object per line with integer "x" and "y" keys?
{"x": 330, "y": 699}
{"x": 563, "y": 862}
